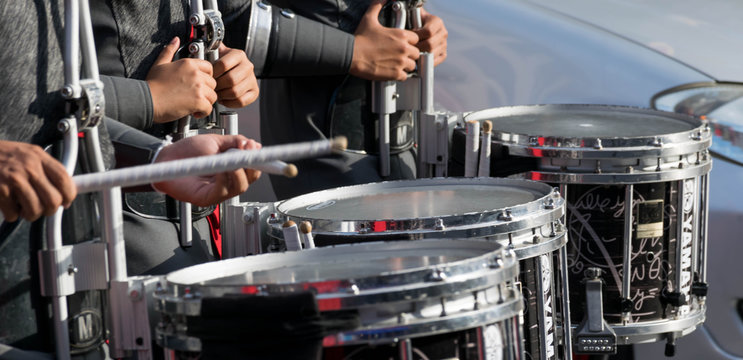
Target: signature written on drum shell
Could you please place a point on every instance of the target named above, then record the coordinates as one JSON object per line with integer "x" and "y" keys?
{"x": 596, "y": 221}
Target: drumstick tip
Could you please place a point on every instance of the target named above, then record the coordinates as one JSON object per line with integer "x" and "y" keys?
{"x": 305, "y": 227}
{"x": 290, "y": 170}
{"x": 487, "y": 126}
{"x": 289, "y": 223}
{"x": 339, "y": 143}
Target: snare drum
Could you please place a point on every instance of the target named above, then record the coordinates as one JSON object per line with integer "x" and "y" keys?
{"x": 524, "y": 215}
{"x": 403, "y": 300}
{"x": 603, "y": 158}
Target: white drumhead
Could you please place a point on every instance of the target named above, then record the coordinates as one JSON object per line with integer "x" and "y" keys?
{"x": 413, "y": 199}
{"x": 357, "y": 261}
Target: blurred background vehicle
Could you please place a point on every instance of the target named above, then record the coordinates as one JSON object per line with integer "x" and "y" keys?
{"x": 680, "y": 55}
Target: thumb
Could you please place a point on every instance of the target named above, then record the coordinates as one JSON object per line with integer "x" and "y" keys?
{"x": 168, "y": 52}
{"x": 372, "y": 13}
{"x": 227, "y": 142}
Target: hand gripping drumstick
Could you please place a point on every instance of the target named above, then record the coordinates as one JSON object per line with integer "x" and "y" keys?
{"x": 484, "y": 169}
{"x": 212, "y": 164}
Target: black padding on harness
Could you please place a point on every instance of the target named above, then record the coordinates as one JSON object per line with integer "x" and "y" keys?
{"x": 286, "y": 326}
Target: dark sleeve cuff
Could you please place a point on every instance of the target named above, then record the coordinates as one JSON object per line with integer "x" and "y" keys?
{"x": 302, "y": 47}
{"x": 281, "y": 43}
{"x": 128, "y": 101}
{"x": 132, "y": 147}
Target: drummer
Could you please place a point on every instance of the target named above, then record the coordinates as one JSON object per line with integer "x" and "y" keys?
{"x": 32, "y": 183}
{"x": 314, "y": 99}
{"x": 148, "y": 90}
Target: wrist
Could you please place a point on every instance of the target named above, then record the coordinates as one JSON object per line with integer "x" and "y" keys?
{"x": 165, "y": 142}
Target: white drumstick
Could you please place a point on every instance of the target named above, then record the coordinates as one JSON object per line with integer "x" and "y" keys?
{"x": 484, "y": 169}
{"x": 291, "y": 236}
{"x": 277, "y": 167}
{"x": 472, "y": 145}
{"x": 212, "y": 164}
{"x": 305, "y": 229}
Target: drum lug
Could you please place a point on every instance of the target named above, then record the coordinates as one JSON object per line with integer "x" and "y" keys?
{"x": 274, "y": 219}
{"x": 496, "y": 263}
{"x": 597, "y": 145}
{"x": 439, "y": 225}
{"x": 363, "y": 229}
{"x": 534, "y": 141}
{"x": 658, "y": 142}
{"x": 437, "y": 275}
{"x": 696, "y": 136}
{"x": 549, "y": 204}
{"x": 699, "y": 288}
{"x": 505, "y": 215}
{"x": 353, "y": 289}
{"x": 675, "y": 299}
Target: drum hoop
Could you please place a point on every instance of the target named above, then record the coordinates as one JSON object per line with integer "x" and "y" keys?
{"x": 637, "y": 177}
{"x": 431, "y": 290}
{"x": 184, "y": 298}
{"x": 471, "y": 226}
{"x": 544, "y": 247}
{"x": 689, "y": 141}
{"x": 456, "y": 225}
{"x": 449, "y": 323}
{"x": 609, "y": 153}
{"x": 455, "y": 322}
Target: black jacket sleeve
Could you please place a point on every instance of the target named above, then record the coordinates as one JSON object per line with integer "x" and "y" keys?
{"x": 281, "y": 43}
{"x": 132, "y": 147}
{"x": 128, "y": 101}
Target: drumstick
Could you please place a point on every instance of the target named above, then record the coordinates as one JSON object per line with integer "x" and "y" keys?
{"x": 484, "y": 169}
{"x": 305, "y": 229}
{"x": 276, "y": 167}
{"x": 471, "y": 148}
{"x": 291, "y": 236}
{"x": 204, "y": 165}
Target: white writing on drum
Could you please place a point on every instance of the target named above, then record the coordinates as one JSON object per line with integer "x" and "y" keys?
{"x": 549, "y": 332}
{"x": 687, "y": 235}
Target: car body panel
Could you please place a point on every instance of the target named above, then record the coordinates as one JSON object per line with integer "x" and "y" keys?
{"x": 516, "y": 53}
{"x": 706, "y": 35}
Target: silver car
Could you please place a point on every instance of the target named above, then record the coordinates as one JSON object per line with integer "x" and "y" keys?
{"x": 672, "y": 55}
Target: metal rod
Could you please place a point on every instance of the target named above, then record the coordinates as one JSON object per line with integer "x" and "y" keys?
{"x": 627, "y": 249}
{"x": 695, "y": 232}
{"x": 68, "y": 125}
{"x": 113, "y": 233}
{"x": 72, "y": 48}
{"x": 567, "y": 329}
{"x": 426, "y": 73}
{"x": 704, "y": 229}
{"x": 679, "y": 234}
{"x": 212, "y": 164}
{"x": 197, "y": 9}
{"x": 567, "y": 341}
{"x": 384, "y": 145}
{"x": 90, "y": 60}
